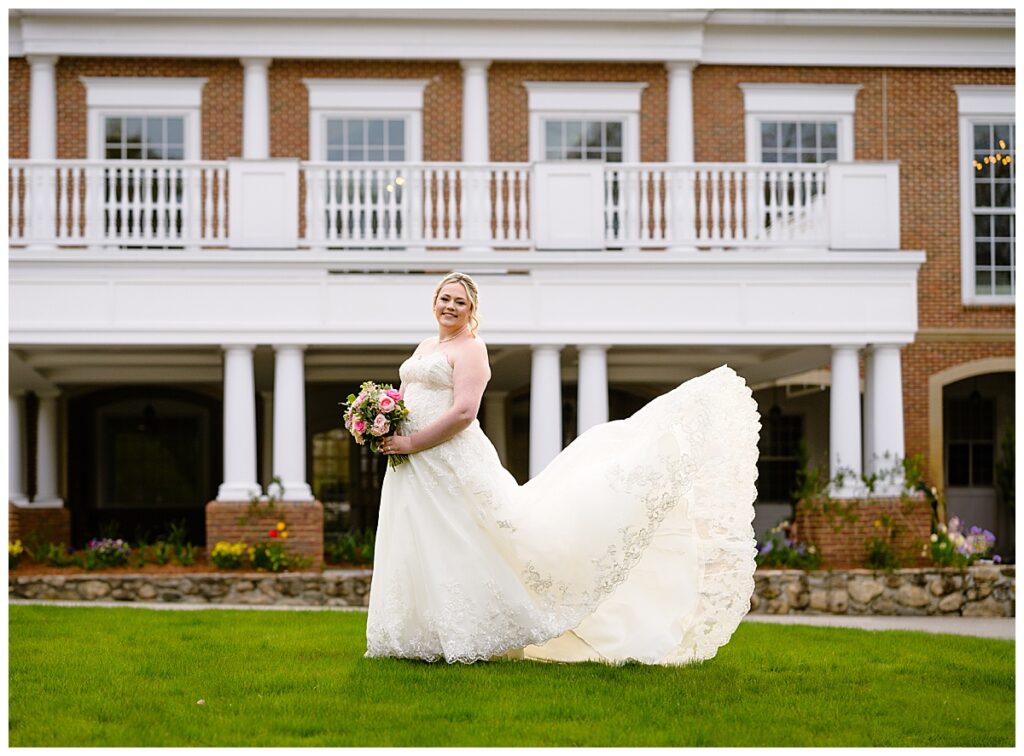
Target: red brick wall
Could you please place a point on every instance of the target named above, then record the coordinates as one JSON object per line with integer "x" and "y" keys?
{"x": 230, "y": 521}
{"x": 509, "y": 111}
{"x": 842, "y": 541}
{"x": 221, "y": 111}
{"x": 18, "y": 76}
{"x": 442, "y": 101}
{"x": 53, "y": 525}
{"x": 923, "y": 359}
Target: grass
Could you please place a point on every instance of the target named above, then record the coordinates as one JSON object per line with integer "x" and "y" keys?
{"x": 131, "y": 677}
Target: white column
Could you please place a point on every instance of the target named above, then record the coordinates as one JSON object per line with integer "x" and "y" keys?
{"x": 267, "y": 447}
{"x": 884, "y": 413}
{"x": 42, "y": 145}
{"x": 475, "y": 126}
{"x": 494, "y": 422}
{"x": 680, "y": 111}
{"x": 871, "y": 464}
{"x": 239, "y": 425}
{"x": 256, "y": 109}
{"x": 16, "y": 448}
{"x": 844, "y": 420}
{"x": 476, "y": 207}
{"x": 290, "y": 422}
{"x": 46, "y": 453}
{"x": 42, "y": 108}
{"x": 681, "y": 207}
{"x": 545, "y": 406}
{"x": 592, "y": 386}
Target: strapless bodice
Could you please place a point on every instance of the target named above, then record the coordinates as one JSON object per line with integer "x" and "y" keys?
{"x": 428, "y": 389}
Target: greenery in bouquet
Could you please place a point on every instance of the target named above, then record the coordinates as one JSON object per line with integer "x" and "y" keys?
{"x": 951, "y": 547}
{"x": 375, "y": 413}
{"x": 778, "y": 549}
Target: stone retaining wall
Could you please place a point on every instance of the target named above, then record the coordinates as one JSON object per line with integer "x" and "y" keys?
{"x": 981, "y": 591}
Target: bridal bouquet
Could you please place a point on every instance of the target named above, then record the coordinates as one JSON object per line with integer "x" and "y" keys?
{"x": 376, "y": 413}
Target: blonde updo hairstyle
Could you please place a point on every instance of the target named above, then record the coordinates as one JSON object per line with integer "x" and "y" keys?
{"x": 471, "y": 291}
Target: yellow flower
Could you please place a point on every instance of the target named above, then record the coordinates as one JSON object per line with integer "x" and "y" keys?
{"x": 281, "y": 525}
{"x": 284, "y": 533}
{"x": 14, "y": 549}
{"x": 878, "y": 523}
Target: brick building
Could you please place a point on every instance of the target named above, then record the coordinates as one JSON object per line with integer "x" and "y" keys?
{"x": 209, "y": 210}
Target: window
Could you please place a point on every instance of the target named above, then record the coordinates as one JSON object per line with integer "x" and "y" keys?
{"x": 798, "y": 141}
{"x": 583, "y": 140}
{"x": 144, "y": 138}
{"x": 799, "y": 123}
{"x": 987, "y": 194}
{"x": 584, "y": 120}
{"x": 366, "y": 139}
{"x": 779, "y": 458}
{"x": 970, "y": 441}
{"x": 992, "y": 211}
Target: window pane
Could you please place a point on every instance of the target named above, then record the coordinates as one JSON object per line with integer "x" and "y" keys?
{"x": 594, "y": 134}
{"x": 113, "y": 153}
{"x": 1004, "y": 197}
{"x": 769, "y": 135}
{"x": 958, "y": 465}
{"x": 982, "y": 253}
{"x": 176, "y": 131}
{"x": 133, "y": 130}
{"x": 154, "y": 130}
{"x": 983, "y": 281}
{"x": 375, "y": 133}
{"x": 1002, "y": 226}
{"x": 396, "y": 153}
{"x": 808, "y": 138}
{"x": 789, "y": 157}
{"x": 808, "y": 157}
{"x": 355, "y": 154}
{"x": 552, "y": 134}
{"x": 789, "y": 136}
{"x": 335, "y": 132}
{"x": 1002, "y": 132}
{"x": 613, "y": 156}
{"x": 982, "y": 226}
{"x": 355, "y": 134}
{"x": 113, "y": 130}
{"x": 396, "y": 133}
{"x": 573, "y": 133}
{"x": 175, "y": 152}
{"x": 982, "y": 136}
{"x": 827, "y": 155}
{"x": 154, "y": 152}
{"x": 1003, "y": 282}
{"x": 133, "y": 153}
{"x": 553, "y": 153}
{"x": 981, "y": 465}
{"x": 613, "y": 134}
{"x": 573, "y": 154}
{"x": 828, "y": 135}
{"x": 335, "y": 153}
{"x": 983, "y": 195}
{"x": 1003, "y": 253}
{"x": 375, "y": 153}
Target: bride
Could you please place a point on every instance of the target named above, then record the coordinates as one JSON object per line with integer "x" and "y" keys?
{"x": 634, "y": 543}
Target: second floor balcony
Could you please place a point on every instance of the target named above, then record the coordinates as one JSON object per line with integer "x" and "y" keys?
{"x": 288, "y": 204}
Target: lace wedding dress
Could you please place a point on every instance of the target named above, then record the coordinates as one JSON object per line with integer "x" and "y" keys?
{"x": 634, "y": 543}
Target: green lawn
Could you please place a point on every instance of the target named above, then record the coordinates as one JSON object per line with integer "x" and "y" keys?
{"x": 131, "y": 677}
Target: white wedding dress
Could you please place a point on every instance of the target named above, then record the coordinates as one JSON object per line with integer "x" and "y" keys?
{"x": 634, "y": 543}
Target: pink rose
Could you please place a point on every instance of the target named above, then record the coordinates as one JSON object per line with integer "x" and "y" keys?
{"x": 386, "y": 404}
{"x": 394, "y": 394}
{"x": 359, "y": 426}
{"x": 380, "y": 426}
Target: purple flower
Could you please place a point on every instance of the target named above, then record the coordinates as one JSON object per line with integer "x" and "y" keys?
{"x": 997, "y": 559}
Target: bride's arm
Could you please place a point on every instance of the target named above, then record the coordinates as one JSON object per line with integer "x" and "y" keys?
{"x": 470, "y": 378}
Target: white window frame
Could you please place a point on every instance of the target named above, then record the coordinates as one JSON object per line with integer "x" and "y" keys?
{"x": 799, "y": 102}
{"x": 140, "y": 97}
{"x": 585, "y": 100}
{"x": 366, "y": 98}
{"x": 977, "y": 104}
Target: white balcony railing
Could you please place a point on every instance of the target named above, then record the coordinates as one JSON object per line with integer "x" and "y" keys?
{"x": 288, "y": 204}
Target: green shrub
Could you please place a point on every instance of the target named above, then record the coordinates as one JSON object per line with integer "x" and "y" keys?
{"x": 880, "y": 555}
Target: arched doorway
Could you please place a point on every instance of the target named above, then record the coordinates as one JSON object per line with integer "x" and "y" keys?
{"x": 971, "y": 443}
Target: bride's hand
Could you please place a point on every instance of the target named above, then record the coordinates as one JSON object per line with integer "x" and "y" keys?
{"x": 397, "y": 445}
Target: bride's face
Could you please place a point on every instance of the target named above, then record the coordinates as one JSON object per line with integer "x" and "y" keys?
{"x": 452, "y": 307}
